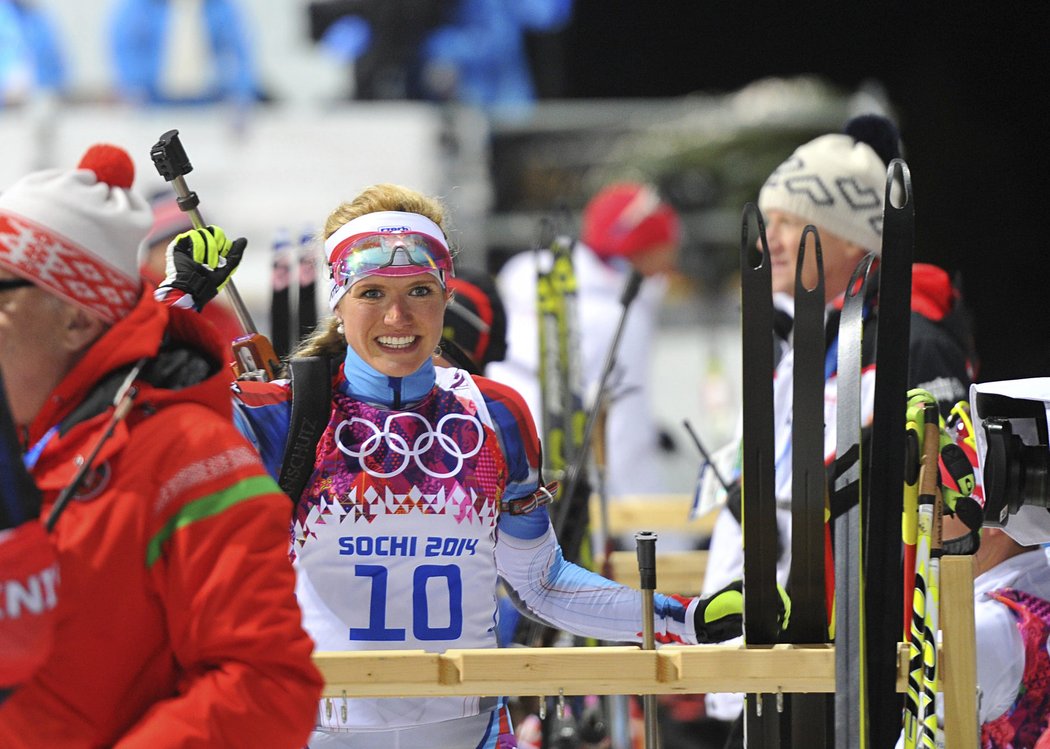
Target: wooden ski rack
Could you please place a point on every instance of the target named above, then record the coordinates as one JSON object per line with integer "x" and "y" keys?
{"x": 669, "y": 670}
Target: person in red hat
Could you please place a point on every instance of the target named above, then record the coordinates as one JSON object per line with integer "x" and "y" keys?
{"x": 177, "y": 624}
{"x": 626, "y": 227}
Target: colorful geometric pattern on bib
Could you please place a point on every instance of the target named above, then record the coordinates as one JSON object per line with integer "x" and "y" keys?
{"x": 1025, "y": 722}
{"x": 437, "y": 459}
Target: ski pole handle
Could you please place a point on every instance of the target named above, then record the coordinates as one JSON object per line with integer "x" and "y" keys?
{"x": 255, "y": 357}
{"x": 630, "y": 289}
{"x": 645, "y": 546}
{"x": 172, "y": 163}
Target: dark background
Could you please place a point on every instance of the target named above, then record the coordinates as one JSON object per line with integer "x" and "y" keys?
{"x": 968, "y": 88}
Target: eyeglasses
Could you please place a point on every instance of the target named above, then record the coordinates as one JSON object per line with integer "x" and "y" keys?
{"x": 369, "y": 253}
{"x": 9, "y": 284}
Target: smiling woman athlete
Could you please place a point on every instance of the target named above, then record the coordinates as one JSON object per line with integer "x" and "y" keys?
{"x": 420, "y": 498}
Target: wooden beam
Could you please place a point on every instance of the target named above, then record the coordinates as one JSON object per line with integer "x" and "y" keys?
{"x": 580, "y": 671}
{"x": 959, "y": 653}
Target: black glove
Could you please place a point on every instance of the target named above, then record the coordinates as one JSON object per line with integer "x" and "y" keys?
{"x": 19, "y": 497}
{"x": 200, "y": 263}
{"x": 720, "y": 616}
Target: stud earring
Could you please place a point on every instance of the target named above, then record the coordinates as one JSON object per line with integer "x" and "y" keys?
{"x": 340, "y": 329}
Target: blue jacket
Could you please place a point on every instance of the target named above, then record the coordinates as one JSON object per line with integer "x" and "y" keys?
{"x": 138, "y": 31}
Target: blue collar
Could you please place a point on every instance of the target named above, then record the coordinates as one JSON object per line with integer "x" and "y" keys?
{"x": 366, "y": 384}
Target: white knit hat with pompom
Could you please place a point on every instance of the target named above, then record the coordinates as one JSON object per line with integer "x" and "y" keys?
{"x": 76, "y": 232}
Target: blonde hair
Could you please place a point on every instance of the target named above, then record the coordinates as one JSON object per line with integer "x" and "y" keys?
{"x": 327, "y": 339}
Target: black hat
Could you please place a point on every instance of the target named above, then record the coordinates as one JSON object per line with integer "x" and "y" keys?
{"x": 475, "y": 327}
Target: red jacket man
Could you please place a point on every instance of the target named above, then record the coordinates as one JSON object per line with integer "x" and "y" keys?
{"x": 178, "y": 625}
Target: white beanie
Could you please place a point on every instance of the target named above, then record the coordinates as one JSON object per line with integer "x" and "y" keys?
{"x": 76, "y": 233}
{"x": 834, "y": 182}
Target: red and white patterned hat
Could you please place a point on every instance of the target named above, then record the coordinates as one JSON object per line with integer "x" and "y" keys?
{"x": 76, "y": 233}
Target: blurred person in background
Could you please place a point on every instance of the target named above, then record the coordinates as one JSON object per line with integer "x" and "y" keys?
{"x": 479, "y": 56}
{"x": 469, "y": 51}
{"x": 382, "y": 40}
{"x": 835, "y": 182}
{"x": 31, "y": 59}
{"x": 182, "y": 52}
{"x": 626, "y": 227}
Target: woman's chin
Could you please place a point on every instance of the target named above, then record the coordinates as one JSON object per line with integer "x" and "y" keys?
{"x": 398, "y": 363}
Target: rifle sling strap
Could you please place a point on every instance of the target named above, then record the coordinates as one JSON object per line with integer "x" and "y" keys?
{"x": 311, "y": 383}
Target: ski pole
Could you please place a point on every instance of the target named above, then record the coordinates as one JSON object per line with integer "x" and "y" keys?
{"x": 910, "y": 513}
{"x": 280, "y": 293}
{"x": 708, "y": 462}
{"x": 915, "y": 702}
{"x": 603, "y": 498}
{"x": 306, "y": 303}
{"x": 645, "y": 546}
{"x": 630, "y": 291}
{"x": 931, "y": 661}
{"x": 254, "y": 352}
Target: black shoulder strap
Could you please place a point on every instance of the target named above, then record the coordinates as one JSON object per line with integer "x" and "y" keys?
{"x": 311, "y": 380}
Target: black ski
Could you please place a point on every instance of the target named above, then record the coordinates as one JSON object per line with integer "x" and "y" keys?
{"x": 564, "y": 418}
{"x": 882, "y": 515}
{"x": 561, "y": 397}
{"x": 806, "y": 582}
{"x": 306, "y": 306}
{"x": 280, "y": 299}
{"x": 847, "y": 508}
{"x": 759, "y": 522}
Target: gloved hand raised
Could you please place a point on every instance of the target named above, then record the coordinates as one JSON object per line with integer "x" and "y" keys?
{"x": 200, "y": 263}
{"x": 720, "y": 616}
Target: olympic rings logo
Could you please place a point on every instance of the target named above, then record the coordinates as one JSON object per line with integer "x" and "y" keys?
{"x": 397, "y": 444}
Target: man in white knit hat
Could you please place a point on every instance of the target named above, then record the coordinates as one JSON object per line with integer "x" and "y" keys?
{"x": 837, "y": 183}
{"x": 177, "y": 622}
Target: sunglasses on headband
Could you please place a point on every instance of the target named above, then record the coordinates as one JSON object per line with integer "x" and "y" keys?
{"x": 389, "y": 255}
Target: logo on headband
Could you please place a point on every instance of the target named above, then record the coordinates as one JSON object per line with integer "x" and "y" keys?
{"x": 394, "y": 229}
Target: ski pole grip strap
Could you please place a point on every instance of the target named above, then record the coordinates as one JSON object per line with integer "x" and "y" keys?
{"x": 311, "y": 381}
{"x": 645, "y": 544}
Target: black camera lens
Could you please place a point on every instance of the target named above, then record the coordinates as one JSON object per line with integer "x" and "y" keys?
{"x": 1015, "y": 474}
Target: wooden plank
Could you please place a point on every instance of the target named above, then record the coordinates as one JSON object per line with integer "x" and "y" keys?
{"x": 578, "y": 671}
{"x": 959, "y": 653}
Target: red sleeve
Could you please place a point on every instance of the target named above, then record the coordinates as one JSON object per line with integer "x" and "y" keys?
{"x": 28, "y": 594}
{"x": 219, "y": 561}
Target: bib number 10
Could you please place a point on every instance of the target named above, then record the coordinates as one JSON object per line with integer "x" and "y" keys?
{"x": 447, "y": 575}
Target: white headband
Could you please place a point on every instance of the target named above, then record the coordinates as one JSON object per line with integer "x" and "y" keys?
{"x": 380, "y": 222}
{"x": 384, "y": 222}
